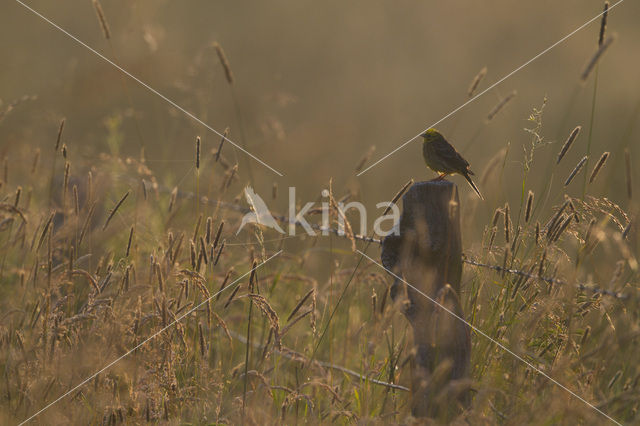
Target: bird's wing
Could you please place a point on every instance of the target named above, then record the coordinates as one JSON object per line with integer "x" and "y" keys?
{"x": 445, "y": 150}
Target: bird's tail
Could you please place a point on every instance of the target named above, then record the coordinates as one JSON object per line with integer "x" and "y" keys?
{"x": 473, "y": 185}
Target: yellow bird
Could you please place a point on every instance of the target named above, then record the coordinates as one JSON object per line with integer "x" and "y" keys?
{"x": 443, "y": 158}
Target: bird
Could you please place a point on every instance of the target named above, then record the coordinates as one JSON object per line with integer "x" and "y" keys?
{"x": 443, "y": 158}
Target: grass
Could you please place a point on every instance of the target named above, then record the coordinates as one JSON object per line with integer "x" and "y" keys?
{"x": 98, "y": 254}
{"x": 71, "y": 306}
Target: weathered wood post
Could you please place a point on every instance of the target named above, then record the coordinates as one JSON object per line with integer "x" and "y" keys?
{"x": 428, "y": 255}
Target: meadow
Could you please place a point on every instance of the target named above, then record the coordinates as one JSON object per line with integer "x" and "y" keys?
{"x": 126, "y": 295}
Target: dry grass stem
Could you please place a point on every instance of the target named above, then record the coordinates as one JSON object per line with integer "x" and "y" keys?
{"x": 399, "y": 194}
{"x": 628, "y": 175}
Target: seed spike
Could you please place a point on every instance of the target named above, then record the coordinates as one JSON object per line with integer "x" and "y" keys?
{"x": 596, "y": 58}
{"x": 565, "y": 147}
{"x": 114, "y": 210}
{"x": 576, "y": 170}
{"x": 598, "y": 166}
{"x": 527, "y": 214}
{"x": 59, "y": 138}
{"x": 500, "y": 106}
{"x": 224, "y": 62}
{"x": 103, "y": 21}
{"x": 603, "y": 23}
{"x": 476, "y": 82}
{"x": 224, "y": 136}
{"x": 198, "y": 153}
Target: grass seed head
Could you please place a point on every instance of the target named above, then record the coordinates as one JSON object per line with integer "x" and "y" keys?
{"x": 59, "y": 138}
{"x": 576, "y": 170}
{"x": 596, "y": 58}
{"x": 565, "y": 147}
{"x": 224, "y": 62}
{"x": 527, "y": 213}
{"x": 476, "y": 82}
{"x": 198, "y": 153}
{"x": 603, "y": 23}
{"x": 598, "y": 166}
{"x": 500, "y": 105}
{"x": 103, "y": 21}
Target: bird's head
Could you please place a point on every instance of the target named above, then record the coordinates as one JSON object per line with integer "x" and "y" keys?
{"x": 431, "y": 135}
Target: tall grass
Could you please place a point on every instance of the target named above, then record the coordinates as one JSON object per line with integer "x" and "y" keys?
{"x": 100, "y": 254}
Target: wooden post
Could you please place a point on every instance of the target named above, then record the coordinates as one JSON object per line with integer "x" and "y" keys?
{"x": 428, "y": 255}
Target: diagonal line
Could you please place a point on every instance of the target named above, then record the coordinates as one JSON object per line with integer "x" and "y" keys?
{"x": 130, "y": 351}
{"x": 490, "y": 87}
{"x": 145, "y": 85}
{"x": 500, "y": 345}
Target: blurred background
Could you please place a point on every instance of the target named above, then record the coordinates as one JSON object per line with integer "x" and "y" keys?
{"x": 317, "y": 84}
